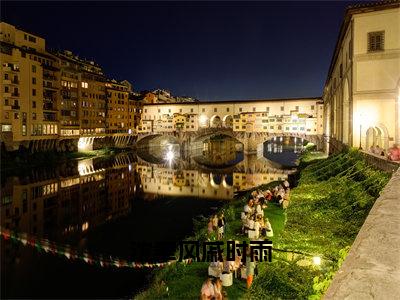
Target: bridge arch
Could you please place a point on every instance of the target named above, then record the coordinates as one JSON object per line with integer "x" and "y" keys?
{"x": 228, "y": 121}
{"x": 215, "y": 121}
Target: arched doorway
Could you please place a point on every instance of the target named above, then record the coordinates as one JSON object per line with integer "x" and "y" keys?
{"x": 377, "y": 136}
{"x": 228, "y": 121}
{"x": 215, "y": 121}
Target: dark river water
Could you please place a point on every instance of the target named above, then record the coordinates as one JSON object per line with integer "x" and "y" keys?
{"x": 131, "y": 206}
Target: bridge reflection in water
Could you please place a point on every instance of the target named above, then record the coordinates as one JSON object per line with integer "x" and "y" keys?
{"x": 99, "y": 204}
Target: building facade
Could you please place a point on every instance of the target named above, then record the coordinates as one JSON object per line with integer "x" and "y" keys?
{"x": 362, "y": 91}
{"x": 303, "y": 115}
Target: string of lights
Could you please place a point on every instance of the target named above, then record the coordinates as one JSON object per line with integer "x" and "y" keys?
{"x": 74, "y": 254}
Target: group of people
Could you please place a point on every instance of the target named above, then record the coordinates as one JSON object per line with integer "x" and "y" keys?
{"x": 393, "y": 153}
{"x": 216, "y": 226}
{"x": 256, "y": 226}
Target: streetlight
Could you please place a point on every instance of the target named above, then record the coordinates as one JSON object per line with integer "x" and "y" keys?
{"x": 360, "y": 117}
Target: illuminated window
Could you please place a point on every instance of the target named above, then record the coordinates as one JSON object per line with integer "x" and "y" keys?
{"x": 84, "y": 85}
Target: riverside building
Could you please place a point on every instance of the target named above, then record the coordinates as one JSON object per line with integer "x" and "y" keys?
{"x": 362, "y": 91}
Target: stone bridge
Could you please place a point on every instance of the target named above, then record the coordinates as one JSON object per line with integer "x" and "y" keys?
{"x": 252, "y": 141}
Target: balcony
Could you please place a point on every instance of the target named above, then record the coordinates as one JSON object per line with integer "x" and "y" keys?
{"x": 15, "y": 81}
{"x": 15, "y": 94}
{"x": 15, "y": 106}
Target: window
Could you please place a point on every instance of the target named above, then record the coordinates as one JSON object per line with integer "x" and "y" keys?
{"x": 33, "y": 69}
{"x": 312, "y": 107}
{"x": 84, "y": 85}
{"x": 33, "y": 104}
{"x": 282, "y": 108}
{"x": 33, "y": 80}
{"x": 6, "y": 128}
{"x": 240, "y": 109}
{"x": 267, "y": 109}
{"x": 254, "y": 109}
{"x": 33, "y": 92}
{"x": 16, "y": 116}
{"x": 6, "y": 115}
{"x": 191, "y": 110}
{"x": 215, "y": 109}
{"x": 376, "y": 41}
{"x": 297, "y": 108}
{"x": 227, "y": 109}
{"x": 23, "y": 129}
{"x": 203, "y": 109}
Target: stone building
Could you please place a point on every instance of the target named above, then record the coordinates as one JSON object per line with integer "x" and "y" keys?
{"x": 361, "y": 94}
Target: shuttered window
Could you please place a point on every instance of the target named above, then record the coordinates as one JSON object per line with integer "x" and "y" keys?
{"x": 376, "y": 41}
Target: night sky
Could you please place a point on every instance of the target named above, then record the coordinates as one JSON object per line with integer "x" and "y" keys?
{"x": 207, "y": 50}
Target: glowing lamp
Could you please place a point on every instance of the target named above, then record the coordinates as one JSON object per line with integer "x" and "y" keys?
{"x": 169, "y": 156}
{"x": 203, "y": 120}
{"x": 316, "y": 260}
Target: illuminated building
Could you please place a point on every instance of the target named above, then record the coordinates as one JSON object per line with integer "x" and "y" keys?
{"x": 361, "y": 94}
{"x": 118, "y": 107}
{"x": 270, "y": 116}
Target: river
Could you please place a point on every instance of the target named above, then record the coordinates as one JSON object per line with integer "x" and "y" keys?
{"x": 131, "y": 206}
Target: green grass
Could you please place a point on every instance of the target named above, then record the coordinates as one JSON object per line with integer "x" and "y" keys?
{"x": 185, "y": 281}
{"x": 327, "y": 209}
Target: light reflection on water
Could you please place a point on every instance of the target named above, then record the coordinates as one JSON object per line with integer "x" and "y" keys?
{"x": 104, "y": 204}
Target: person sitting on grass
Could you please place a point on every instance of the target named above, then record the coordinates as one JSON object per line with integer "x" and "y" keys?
{"x": 248, "y": 208}
{"x": 221, "y": 224}
{"x": 258, "y": 211}
{"x": 250, "y": 267}
{"x": 210, "y": 226}
{"x": 268, "y": 228}
{"x": 207, "y": 290}
{"x": 218, "y": 293}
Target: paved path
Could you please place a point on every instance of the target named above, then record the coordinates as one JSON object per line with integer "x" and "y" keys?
{"x": 372, "y": 268}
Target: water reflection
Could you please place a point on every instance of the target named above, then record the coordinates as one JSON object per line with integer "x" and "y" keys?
{"x": 284, "y": 151}
{"x": 101, "y": 204}
{"x": 99, "y": 190}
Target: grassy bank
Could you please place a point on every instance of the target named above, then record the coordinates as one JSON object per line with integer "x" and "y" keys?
{"x": 327, "y": 209}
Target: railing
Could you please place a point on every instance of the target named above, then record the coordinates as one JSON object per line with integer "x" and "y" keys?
{"x": 15, "y": 106}
{"x": 15, "y": 94}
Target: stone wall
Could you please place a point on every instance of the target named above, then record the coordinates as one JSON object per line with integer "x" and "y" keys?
{"x": 372, "y": 268}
